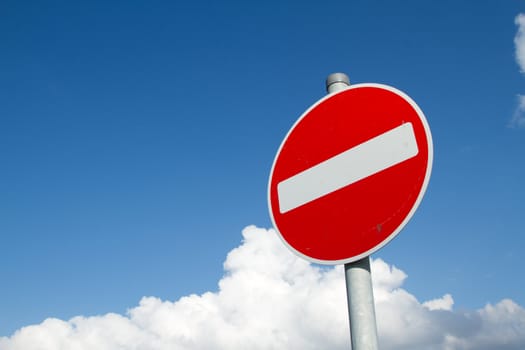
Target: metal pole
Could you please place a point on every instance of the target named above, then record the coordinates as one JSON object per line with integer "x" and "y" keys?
{"x": 337, "y": 82}
{"x": 361, "y": 310}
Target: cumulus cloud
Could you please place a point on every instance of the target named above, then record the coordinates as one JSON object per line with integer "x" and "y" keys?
{"x": 518, "y": 118}
{"x": 270, "y": 299}
{"x": 443, "y": 303}
{"x": 519, "y": 41}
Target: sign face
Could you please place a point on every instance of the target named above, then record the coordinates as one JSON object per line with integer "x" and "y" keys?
{"x": 350, "y": 173}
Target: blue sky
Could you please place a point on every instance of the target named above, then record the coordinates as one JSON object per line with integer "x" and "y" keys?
{"x": 136, "y": 140}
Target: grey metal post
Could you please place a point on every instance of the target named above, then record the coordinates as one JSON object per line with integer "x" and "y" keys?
{"x": 361, "y": 310}
{"x": 337, "y": 82}
{"x": 363, "y": 330}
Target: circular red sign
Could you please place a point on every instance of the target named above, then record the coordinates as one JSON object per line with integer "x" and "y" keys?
{"x": 350, "y": 173}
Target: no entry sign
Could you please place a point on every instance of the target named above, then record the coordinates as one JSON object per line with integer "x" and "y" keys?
{"x": 350, "y": 173}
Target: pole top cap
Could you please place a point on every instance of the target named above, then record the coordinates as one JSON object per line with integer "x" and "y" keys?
{"x": 335, "y": 78}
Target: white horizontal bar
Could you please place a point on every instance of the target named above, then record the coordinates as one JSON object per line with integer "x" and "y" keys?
{"x": 370, "y": 157}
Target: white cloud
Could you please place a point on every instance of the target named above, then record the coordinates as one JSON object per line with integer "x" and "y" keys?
{"x": 270, "y": 299}
{"x": 444, "y": 303}
{"x": 518, "y": 119}
{"x": 519, "y": 41}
